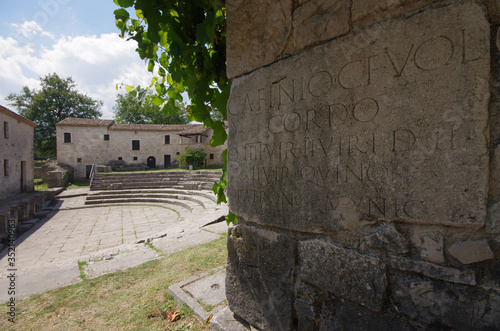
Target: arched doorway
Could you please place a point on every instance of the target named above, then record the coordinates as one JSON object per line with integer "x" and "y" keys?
{"x": 151, "y": 162}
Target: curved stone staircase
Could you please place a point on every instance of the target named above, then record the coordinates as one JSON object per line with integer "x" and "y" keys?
{"x": 186, "y": 192}
{"x": 190, "y": 180}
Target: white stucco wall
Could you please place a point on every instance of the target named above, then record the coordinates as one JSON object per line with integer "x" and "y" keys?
{"x": 88, "y": 144}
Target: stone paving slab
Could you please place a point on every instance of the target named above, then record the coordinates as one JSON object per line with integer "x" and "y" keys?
{"x": 47, "y": 255}
{"x": 205, "y": 293}
{"x": 226, "y": 320}
{"x": 113, "y": 262}
{"x": 184, "y": 239}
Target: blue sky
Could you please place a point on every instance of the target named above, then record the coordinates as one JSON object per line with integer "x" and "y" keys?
{"x": 73, "y": 38}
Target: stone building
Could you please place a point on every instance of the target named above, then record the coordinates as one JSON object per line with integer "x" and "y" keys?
{"x": 83, "y": 142}
{"x": 16, "y": 153}
{"x": 364, "y": 164}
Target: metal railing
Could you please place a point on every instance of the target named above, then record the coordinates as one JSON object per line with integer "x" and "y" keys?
{"x": 93, "y": 171}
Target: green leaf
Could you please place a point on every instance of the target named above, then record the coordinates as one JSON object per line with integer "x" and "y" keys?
{"x": 220, "y": 102}
{"x": 121, "y": 14}
{"x": 220, "y": 136}
{"x": 124, "y": 3}
{"x": 157, "y": 101}
{"x": 205, "y": 30}
{"x": 231, "y": 218}
{"x": 151, "y": 65}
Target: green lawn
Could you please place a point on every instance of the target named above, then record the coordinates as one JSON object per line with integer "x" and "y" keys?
{"x": 122, "y": 300}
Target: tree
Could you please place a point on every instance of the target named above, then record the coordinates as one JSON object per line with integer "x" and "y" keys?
{"x": 186, "y": 42}
{"x": 56, "y": 100}
{"x": 192, "y": 156}
{"x": 130, "y": 110}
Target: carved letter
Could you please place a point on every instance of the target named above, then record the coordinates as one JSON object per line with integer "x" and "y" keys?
{"x": 320, "y": 83}
{"x": 365, "y": 110}
{"x": 399, "y": 72}
{"x": 434, "y": 53}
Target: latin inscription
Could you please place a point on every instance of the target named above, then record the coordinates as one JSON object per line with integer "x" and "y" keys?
{"x": 396, "y": 127}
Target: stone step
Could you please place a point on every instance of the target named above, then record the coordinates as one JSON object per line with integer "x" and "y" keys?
{"x": 206, "y": 195}
{"x": 151, "y": 196}
{"x": 141, "y": 200}
{"x": 187, "y": 180}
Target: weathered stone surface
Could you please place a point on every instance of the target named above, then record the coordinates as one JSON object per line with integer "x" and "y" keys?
{"x": 468, "y": 252}
{"x": 396, "y": 126}
{"x": 429, "y": 245}
{"x": 370, "y": 11}
{"x": 57, "y": 178}
{"x": 434, "y": 271}
{"x": 386, "y": 239}
{"x": 353, "y": 317}
{"x": 226, "y": 320}
{"x": 259, "y": 276}
{"x": 305, "y": 313}
{"x": 258, "y": 32}
{"x": 319, "y": 20}
{"x": 494, "y": 210}
{"x": 457, "y": 306}
{"x": 343, "y": 272}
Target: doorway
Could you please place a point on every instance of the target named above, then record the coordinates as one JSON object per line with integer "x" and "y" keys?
{"x": 151, "y": 162}
{"x": 168, "y": 161}
{"x": 23, "y": 176}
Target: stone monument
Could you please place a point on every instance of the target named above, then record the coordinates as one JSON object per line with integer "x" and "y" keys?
{"x": 364, "y": 164}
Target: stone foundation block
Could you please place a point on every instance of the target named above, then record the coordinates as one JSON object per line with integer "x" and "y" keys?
{"x": 343, "y": 272}
{"x": 442, "y": 303}
{"x": 471, "y": 251}
{"x": 259, "y": 276}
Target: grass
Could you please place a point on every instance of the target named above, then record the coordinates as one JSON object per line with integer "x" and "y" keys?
{"x": 81, "y": 268}
{"x": 41, "y": 187}
{"x": 81, "y": 184}
{"x": 122, "y": 300}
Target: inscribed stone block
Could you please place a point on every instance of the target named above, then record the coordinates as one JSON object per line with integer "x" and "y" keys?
{"x": 252, "y": 24}
{"x": 397, "y": 126}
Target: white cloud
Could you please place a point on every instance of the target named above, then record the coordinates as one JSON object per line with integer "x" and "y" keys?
{"x": 96, "y": 64}
{"x": 29, "y": 29}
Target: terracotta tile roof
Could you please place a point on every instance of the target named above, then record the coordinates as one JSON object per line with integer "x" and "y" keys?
{"x": 184, "y": 129}
{"x": 152, "y": 127}
{"x": 70, "y": 121}
{"x": 17, "y": 117}
{"x": 194, "y": 129}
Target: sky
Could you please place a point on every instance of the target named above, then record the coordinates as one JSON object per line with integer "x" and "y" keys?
{"x": 73, "y": 38}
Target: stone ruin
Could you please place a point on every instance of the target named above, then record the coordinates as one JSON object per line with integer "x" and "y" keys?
{"x": 55, "y": 174}
{"x": 364, "y": 164}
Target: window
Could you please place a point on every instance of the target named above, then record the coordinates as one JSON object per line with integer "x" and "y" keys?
{"x": 5, "y": 167}
{"x": 199, "y": 139}
{"x": 6, "y": 130}
{"x": 136, "y": 145}
{"x": 211, "y": 156}
{"x": 106, "y": 137}
{"x": 67, "y": 137}
{"x": 135, "y": 158}
{"x": 79, "y": 160}
{"x": 167, "y": 139}
{"x": 177, "y": 153}
{"x": 120, "y": 158}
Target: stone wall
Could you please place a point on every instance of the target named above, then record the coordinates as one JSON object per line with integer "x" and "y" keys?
{"x": 88, "y": 147}
{"x": 16, "y": 154}
{"x": 364, "y": 164}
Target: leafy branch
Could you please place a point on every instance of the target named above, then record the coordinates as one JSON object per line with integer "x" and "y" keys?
{"x": 185, "y": 42}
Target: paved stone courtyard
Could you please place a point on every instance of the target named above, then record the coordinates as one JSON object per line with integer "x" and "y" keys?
{"x": 107, "y": 238}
